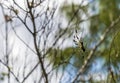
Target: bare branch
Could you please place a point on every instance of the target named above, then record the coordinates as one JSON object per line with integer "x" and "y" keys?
{"x": 10, "y": 71}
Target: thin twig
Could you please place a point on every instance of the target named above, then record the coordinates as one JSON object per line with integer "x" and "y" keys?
{"x": 10, "y": 71}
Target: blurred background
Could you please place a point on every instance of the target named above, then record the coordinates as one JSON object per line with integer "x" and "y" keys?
{"x": 63, "y": 41}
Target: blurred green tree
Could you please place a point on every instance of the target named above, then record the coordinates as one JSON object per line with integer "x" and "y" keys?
{"x": 105, "y": 13}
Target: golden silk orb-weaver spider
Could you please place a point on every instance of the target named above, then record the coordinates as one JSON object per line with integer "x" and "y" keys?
{"x": 78, "y": 41}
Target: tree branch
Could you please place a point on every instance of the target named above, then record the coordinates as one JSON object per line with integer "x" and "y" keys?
{"x": 82, "y": 69}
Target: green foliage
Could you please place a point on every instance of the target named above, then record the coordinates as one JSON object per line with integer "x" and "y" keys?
{"x": 112, "y": 54}
{"x": 109, "y": 49}
{"x": 61, "y": 58}
{"x": 3, "y": 75}
{"x": 58, "y": 58}
{"x": 115, "y": 48}
{"x": 96, "y": 25}
{"x": 75, "y": 11}
{"x": 108, "y": 11}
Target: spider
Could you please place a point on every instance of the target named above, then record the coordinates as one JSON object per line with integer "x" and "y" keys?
{"x": 79, "y": 42}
